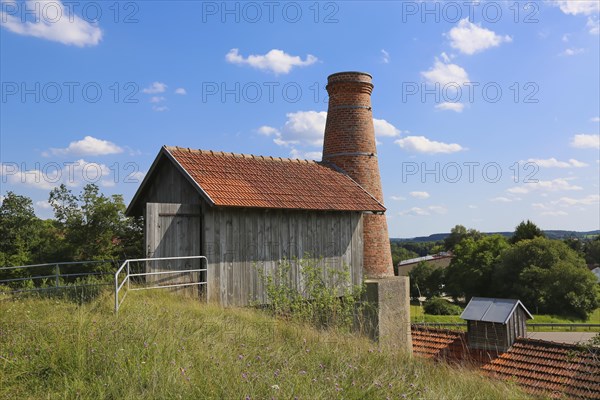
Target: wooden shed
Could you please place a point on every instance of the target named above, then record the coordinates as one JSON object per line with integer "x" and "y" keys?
{"x": 495, "y": 324}
{"x": 247, "y": 213}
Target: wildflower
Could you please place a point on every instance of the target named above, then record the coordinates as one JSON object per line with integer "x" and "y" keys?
{"x": 314, "y": 379}
{"x": 276, "y": 373}
{"x": 302, "y": 372}
{"x": 276, "y": 387}
{"x": 240, "y": 357}
{"x": 321, "y": 366}
{"x": 248, "y": 397}
{"x": 244, "y": 375}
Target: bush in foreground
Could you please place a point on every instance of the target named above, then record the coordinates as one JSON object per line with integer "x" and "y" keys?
{"x": 163, "y": 346}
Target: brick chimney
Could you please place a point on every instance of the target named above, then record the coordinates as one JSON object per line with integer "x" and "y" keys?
{"x": 349, "y": 146}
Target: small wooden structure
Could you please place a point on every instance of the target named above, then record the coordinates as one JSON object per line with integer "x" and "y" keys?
{"x": 495, "y": 324}
{"x": 247, "y": 213}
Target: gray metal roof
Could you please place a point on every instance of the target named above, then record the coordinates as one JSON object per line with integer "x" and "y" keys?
{"x": 492, "y": 310}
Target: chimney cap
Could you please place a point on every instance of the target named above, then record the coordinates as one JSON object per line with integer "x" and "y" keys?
{"x": 350, "y": 73}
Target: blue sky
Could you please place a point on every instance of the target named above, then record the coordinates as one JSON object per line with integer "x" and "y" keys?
{"x": 486, "y": 113}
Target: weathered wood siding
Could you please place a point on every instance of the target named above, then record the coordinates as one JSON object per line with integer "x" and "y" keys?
{"x": 168, "y": 185}
{"x": 174, "y": 230}
{"x": 239, "y": 242}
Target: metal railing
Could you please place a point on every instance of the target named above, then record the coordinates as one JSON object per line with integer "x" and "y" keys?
{"x": 57, "y": 277}
{"x": 127, "y": 266}
{"x": 532, "y": 326}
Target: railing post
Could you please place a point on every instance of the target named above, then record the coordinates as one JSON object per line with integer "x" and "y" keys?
{"x": 127, "y": 277}
{"x": 57, "y": 272}
{"x": 117, "y": 291}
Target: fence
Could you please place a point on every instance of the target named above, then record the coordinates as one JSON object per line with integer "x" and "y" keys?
{"x": 53, "y": 276}
{"x": 535, "y": 326}
{"x": 127, "y": 268}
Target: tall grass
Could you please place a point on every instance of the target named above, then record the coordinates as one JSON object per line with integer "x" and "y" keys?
{"x": 162, "y": 346}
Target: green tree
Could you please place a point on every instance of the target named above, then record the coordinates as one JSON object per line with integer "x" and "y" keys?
{"x": 549, "y": 277}
{"x": 472, "y": 268}
{"x": 592, "y": 251}
{"x": 426, "y": 280}
{"x": 526, "y": 230}
{"x": 95, "y": 226}
{"x": 18, "y": 224}
{"x": 459, "y": 233}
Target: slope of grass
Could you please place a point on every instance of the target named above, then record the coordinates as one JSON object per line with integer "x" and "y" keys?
{"x": 163, "y": 346}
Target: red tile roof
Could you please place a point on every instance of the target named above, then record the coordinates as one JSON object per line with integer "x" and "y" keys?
{"x": 539, "y": 366}
{"x": 547, "y": 367}
{"x": 238, "y": 180}
{"x": 437, "y": 343}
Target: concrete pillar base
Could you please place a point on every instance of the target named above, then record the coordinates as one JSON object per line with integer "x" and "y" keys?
{"x": 385, "y": 315}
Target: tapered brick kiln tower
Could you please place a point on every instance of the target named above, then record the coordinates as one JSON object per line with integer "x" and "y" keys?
{"x": 350, "y": 146}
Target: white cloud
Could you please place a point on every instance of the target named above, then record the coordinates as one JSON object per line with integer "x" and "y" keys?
{"x": 420, "y": 195}
{"x": 572, "y": 52}
{"x": 156, "y": 99}
{"x": 309, "y": 155}
{"x": 419, "y": 211}
{"x": 160, "y": 108}
{"x": 471, "y": 38}
{"x": 276, "y": 61}
{"x": 444, "y": 73}
{"x": 384, "y": 128}
{"x": 595, "y": 119}
{"x": 594, "y": 25}
{"x": 447, "y": 106}
{"x": 576, "y": 7}
{"x": 88, "y": 146}
{"x": 584, "y": 141}
{"x": 156, "y": 87}
{"x": 501, "y": 200}
{"x": 555, "y": 185}
{"x": 301, "y": 128}
{"x": 554, "y": 163}
{"x": 397, "y": 198}
{"x": 55, "y": 23}
{"x": 586, "y": 201}
{"x": 438, "y": 209}
{"x": 559, "y": 213}
{"x": 181, "y": 91}
{"x": 43, "y": 204}
{"x": 385, "y": 56}
{"x": 421, "y": 144}
{"x": 307, "y": 128}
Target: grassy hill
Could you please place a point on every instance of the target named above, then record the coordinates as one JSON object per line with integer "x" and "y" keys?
{"x": 163, "y": 346}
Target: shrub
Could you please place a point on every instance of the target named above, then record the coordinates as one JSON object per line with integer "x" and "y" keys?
{"x": 439, "y": 306}
{"x": 326, "y": 297}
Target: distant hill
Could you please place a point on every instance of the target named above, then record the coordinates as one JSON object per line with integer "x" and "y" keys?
{"x": 552, "y": 234}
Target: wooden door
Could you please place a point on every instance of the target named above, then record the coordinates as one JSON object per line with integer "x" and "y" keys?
{"x": 174, "y": 230}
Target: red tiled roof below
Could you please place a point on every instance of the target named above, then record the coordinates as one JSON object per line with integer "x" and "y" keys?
{"x": 542, "y": 366}
{"x": 264, "y": 182}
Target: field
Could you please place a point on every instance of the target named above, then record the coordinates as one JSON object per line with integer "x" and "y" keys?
{"x": 164, "y": 346}
{"x": 418, "y": 315}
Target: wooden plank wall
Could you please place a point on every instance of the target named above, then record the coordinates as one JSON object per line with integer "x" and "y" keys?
{"x": 173, "y": 230}
{"x": 240, "y": 242}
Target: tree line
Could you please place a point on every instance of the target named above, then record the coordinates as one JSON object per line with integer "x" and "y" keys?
{"x": 548, "y": 276}
{"x": 86, "y": 226}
